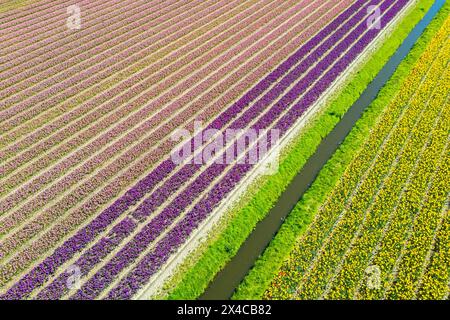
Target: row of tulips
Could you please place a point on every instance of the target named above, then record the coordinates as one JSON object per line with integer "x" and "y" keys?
{"x": 140, "y": 147}
{"x": 36, "y": 13}
{"x": 403, "y": 148}
{"x": 111, "y": 39}
{"x": 322, "y": 235}
{"x": 55, "y": 29}
{"x": 390, "y": 248}
{"x": 154, "y": 259}
{"x": 181, "y": 57}
{"x": 389, "y": 254}
{"x": 70, "y": 58}
{"x": 409, "y": 166}
{"x": 170, "y": 34}
{"x": 265, "y": 84}
{"x": 101, "y": 124}
{"x": 425, "y": 224}
{"x": 86, "y": 209}
{"x": 286, "y": 282}
{"x": 434, "y": 282}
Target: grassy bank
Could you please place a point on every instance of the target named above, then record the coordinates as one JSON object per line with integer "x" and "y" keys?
{"x": 194, "y": 276}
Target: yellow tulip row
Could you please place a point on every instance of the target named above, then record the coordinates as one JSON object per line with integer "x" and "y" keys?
{"x": 415, "y": 161}
{"x": 423, "y": 231}
{"x": 361, "y": 210}
{"x": 407, "y": 208}
{"x": 307, "y": 273}
{"x": 410, "y": 207}
{"x": 318, "y": 231}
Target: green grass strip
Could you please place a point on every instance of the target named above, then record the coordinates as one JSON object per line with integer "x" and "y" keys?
{"x": 195, "y": 274}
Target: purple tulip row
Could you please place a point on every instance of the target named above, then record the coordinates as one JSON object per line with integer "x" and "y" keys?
{"x": 323, "y": 55}
{"x": 168, "y": 165}
{"x": 109, "y": 64}
{"x": 113, "y": 149}
{"x": 154, "y": 260}
{"x": 151, "y": 263}
{"x": 146, "y": 236}
{"x": 315, "y": 73}
{"x": 93, "y": 256}
{"x": 112, "y": 190}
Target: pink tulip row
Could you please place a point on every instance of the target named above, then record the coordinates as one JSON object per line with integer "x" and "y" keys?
{"x": 131, "y": 90}
{"x": 110, "y": 62}
{"x": 69, "y": 52}
{"x": 99, "y": 199}
{"x": 144, "y": 114}
{"x": 122, "y": 77}
{"x": 33, "y": 13}
{"x": 127, "y": 84}
{"x": 150, "y": 124}
{"x": 65, "y": 107}
{"x": 72, "y": 90}
{"x": 54, "y": 26}
{"x": 122, "y": 112}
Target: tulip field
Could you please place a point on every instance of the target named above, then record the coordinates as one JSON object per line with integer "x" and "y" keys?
{"x": 383, "y": 232}
{"x": 92, "y": 203}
